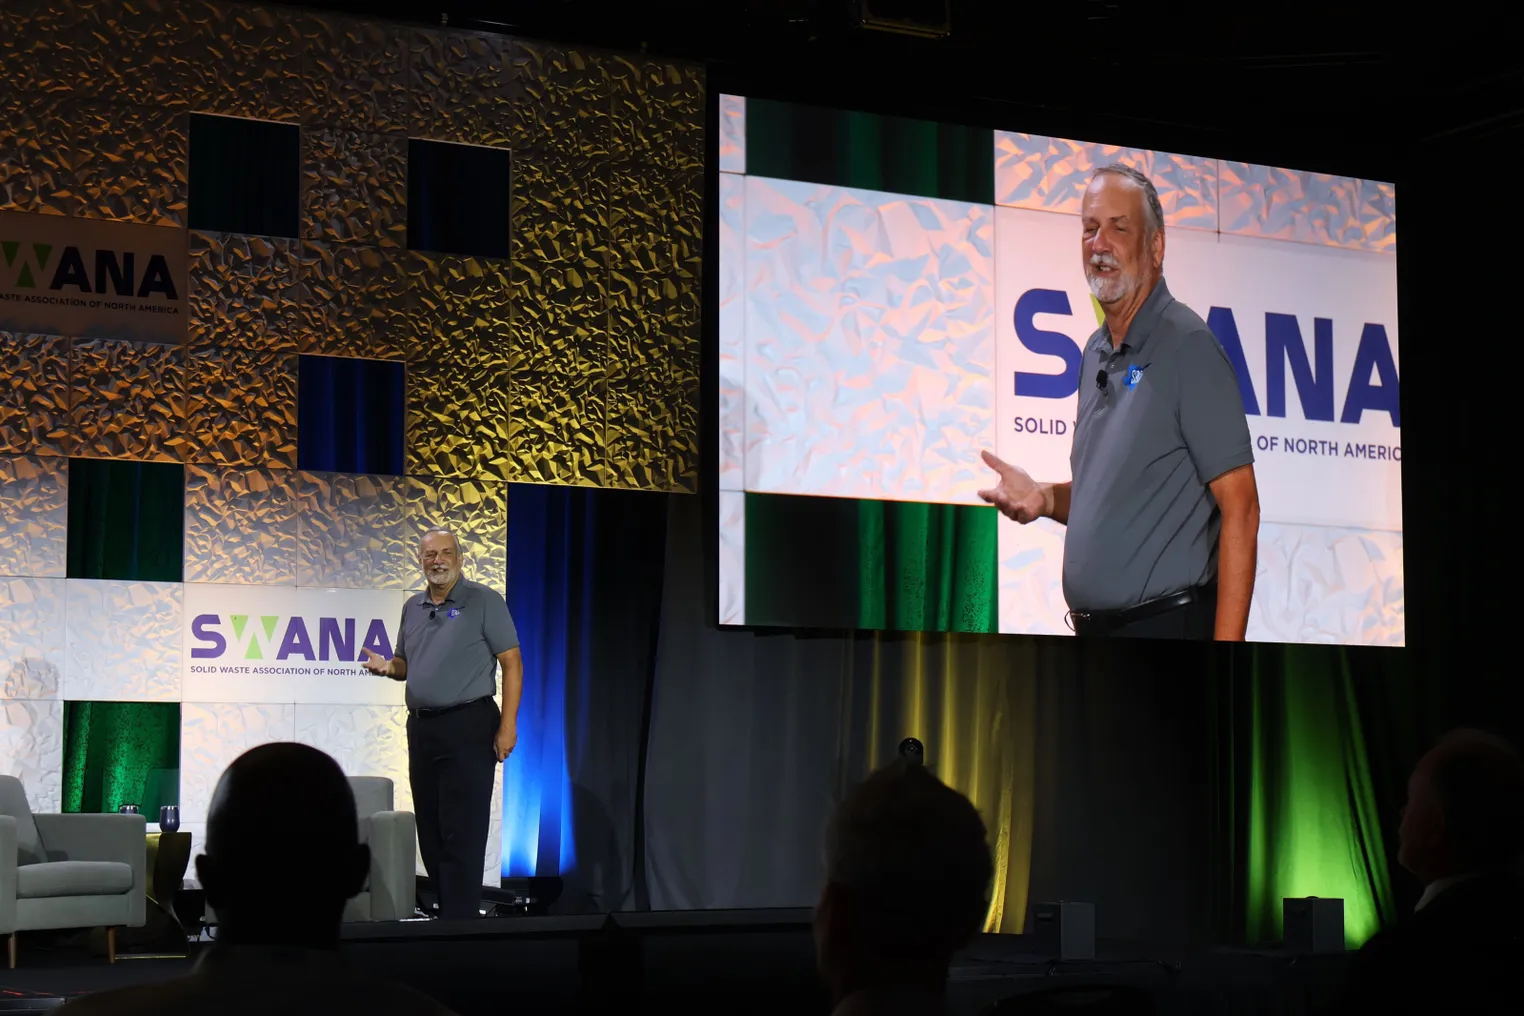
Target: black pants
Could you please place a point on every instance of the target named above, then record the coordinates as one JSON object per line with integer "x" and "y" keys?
{"x": 1194, "y": 620}
{"x": 451, "y": 762}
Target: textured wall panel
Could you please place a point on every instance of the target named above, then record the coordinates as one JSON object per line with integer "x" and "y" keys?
{"x": 732, "y": 557}
{"x": 1030, "y": 574}
{"x": 557, "y": 431}
{"x": 240, "y": 526}
{"x": 560, "y": 318}
{"x": 1283, "y": 204}
{"x": 460, "y": 311}
{"x": 354, "y": 187}
{"x": 242, "y": 291}
{"x": 1050, "y": 174}
{"x": 240, "y": 408}
{"x": 31, "y": 638}
{"x": 355, "y": 73}
{"x": 732, "y": 329}
{"x": 658, "y": 112}
{"x": 870, "y": 343}
{"x": 1325, "y": 584}
{"x": 656, "y": 221}
{"x": 352, "y": 532}
{"x": 655, "y": 327}
{"x": 212, "y": 736}
{"x": 127, "y": 401}
{"x": 129, "y": 163}
{"x": 561, "y": 208}
{"x": 34, "y": 395}
{"x": 462, "y": 87}
{"x": 122, "y": 641}
{"x": 363, "y": 740}
{"x": 353, "y": 301}
{"x": 492, "y": 867}
{"x": 240, "y": 60}
{"x": 561, "y": 99}
{"x": 458, "y": 422}
{"x": 1378, "y": 216}
{"x": 476, "y": 511}
{"x": 34, "y": 515}
{"x": 31, "y": 749}
{"x": 732, "y": 134}
{"x": 647, "y": 440}
{"x": 27, "y": 129}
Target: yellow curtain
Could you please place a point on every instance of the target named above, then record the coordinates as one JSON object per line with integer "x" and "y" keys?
{"x": 971, "y": 700}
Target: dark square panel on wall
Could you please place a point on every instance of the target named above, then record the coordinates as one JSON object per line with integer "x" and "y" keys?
{"x": 350, "y": 416}
{"x": 126, "y": 520}
{"x": 245, "y": 176}
{"x": 458, "y": 198}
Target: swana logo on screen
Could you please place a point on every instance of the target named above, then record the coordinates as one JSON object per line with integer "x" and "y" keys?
{"x": 48, "y": 267}
{"x": 273, "y": 637}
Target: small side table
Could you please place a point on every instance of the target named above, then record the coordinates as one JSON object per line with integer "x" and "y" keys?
{"x": 162, "y": 935}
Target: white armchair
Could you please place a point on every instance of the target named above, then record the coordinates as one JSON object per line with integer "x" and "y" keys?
{"x": 69, "y": 871}
{"x": 390, "y": 892}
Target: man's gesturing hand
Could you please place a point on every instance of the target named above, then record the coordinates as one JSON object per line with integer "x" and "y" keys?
{"x": 1018, "y": 496}
{"x": 375, "y": 664}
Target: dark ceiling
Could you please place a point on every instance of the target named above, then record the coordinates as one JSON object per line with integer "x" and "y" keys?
{"x": 1347, "y": 86}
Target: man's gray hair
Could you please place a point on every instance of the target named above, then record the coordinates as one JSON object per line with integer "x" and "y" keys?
{"x": 914, "y": 852}
{"x": 1150, "y": 192}
{"x": 459, "y": 550}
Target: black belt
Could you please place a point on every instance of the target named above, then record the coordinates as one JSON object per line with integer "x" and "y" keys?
{"x": 1099, "y": 622}
{"x": 441, "y": 710}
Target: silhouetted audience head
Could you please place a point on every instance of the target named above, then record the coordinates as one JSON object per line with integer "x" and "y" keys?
{"x": 283, "y": 852}
{"x": 907, "y": 883}
{"x": 1465, "y": 808}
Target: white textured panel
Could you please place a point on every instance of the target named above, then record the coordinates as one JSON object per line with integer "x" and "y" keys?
{"x": 1327, "y": 584}
{"x": 732, "y": 134}
{"x": 212, "y": 736}
{"x": 1284, "y": 204}
{"x": 34, "y": 513}
{"x": 364, "y": 740}
{"x": 869, "y": 343}
{"x": 31, "y": 638}
{"x": 122, "y": 641}
{"x": 732, "y": 331}
{"x": 492, "y": 867}
{"x": 1031, "y": 576}
{"x": 1378, "y": 216}
{"x": 1051, "y": 174}
{"x": 732, "y": 557}
{"x": 31, "y": 749}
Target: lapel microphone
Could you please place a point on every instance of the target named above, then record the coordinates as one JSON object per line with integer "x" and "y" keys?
{"x": 1100, "y": 379}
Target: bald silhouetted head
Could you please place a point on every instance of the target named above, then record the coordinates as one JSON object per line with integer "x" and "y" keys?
{"x": 1465, "y": 808}
{"x": 908, "y": 872}
{"x": 283, "y": 852}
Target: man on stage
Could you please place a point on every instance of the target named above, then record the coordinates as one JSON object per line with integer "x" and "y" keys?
{"x": 1162, "y": 511}
{"x": 453, "y": 637}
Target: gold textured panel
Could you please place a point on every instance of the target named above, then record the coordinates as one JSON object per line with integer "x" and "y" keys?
{"x": 353, "y": 301}
{"x": 240, "y": 525}
{"x": 658, "y": 112}
{"x": 129, "y": 163}
{"x": 355, "y": 73}
{"x": 242, "y": 291}
{"x": 562, "y": 99}
{"x": 652, "y": 433}
{"x": 240, "y": 408}
{"x": 560, "y": 208}
{"x": 460, "y": 311}
{"x": 352, "y": 532}
{"x": 354, "y": 187}
{"x": 656, "y": 220}
{"x": 558, "y": 427}
{"x": 239, "y": 59}
{"x": 476, "y": 511}
{"x": 91, "y": 48}
{"x": 462, "y": 87}
{"x": 458, "y": 421}
{"x": 34, "y": 395}
{"x": 26, "y": 129}
{"x": 654, "y": 327}
{"x": 127, "y": 401}
{"x": 560, "y": 317}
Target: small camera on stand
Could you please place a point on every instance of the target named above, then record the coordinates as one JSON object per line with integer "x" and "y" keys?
{"x": 913, "y": 751}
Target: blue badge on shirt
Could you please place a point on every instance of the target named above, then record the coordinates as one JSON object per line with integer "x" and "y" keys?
{"x": 1135, "y": 375}
{"x": 453, "y": 612}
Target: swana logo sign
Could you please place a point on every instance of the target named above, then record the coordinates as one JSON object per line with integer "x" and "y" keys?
{"x": 85, "y": 277}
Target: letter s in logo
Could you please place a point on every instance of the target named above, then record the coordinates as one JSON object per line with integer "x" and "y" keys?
{"x": 1044, "y": 343}
{"x": 203, "y": 629}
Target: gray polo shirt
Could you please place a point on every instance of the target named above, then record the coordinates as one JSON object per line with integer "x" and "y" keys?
{"x": 1142, "y": 521}
{"x": 451, "y": 648}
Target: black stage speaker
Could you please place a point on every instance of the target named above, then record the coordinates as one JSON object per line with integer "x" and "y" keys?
{"x": 1066, "y": 930}
{"x": 1313, "y": 925}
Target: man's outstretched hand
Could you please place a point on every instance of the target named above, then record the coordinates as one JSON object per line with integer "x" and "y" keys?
{"x": 1018, "y": 496}
{"x": 376, "y": 664}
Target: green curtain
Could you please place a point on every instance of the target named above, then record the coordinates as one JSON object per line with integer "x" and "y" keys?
{"x": 126, "y": 520}
{"x": 1299, "y": 810}
{"x": 118, "y": 753}
{"x": 926, "y": 567}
